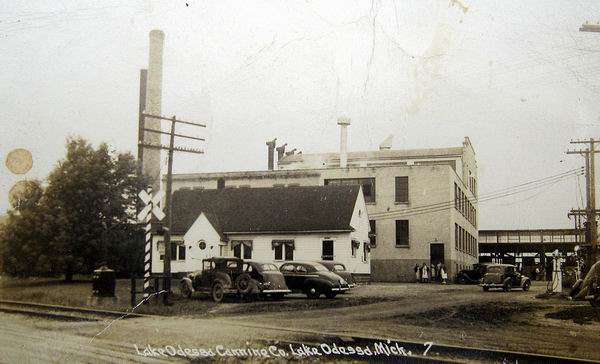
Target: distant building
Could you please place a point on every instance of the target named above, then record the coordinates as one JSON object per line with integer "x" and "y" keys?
{"x": 422, "y": 203}
{"x": 268, "y": 225}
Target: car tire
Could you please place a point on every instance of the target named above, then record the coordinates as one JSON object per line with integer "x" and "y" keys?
{"x": 507, "y": 286}
{"x": 485, "y": 289}
{"x": 278, "y": 296}
{"x": 185, "y": 290}
{"x": 462, "y": 280}
{"x": 330, "y": 295}
{"x": 217, "y": 292}
{"x": 595, "y": 302}
{"x": 243, "y": 283}
{"x": 313, "y": 292}
{"x": 526, "y": 286}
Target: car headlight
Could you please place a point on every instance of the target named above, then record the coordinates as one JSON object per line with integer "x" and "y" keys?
{"x": 267, "y": 284}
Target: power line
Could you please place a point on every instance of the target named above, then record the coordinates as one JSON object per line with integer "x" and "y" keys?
{"x": 511, "y": 190}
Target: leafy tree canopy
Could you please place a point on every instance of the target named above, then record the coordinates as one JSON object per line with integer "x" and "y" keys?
{"x": 85, "y": 215}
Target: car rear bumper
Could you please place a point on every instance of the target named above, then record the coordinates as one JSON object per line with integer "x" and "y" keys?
{"x": 276, "y": 291}
{"x": 491, "y": 285}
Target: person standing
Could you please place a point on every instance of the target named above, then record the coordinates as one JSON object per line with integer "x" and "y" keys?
{"x": 443, "y": 274}
{"x": 425, "y": 273}
{"x": 434, "y": 273}
{"x": 417, "y": 273}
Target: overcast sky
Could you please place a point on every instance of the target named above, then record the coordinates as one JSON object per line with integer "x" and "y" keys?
{"x": 517, "y": 77}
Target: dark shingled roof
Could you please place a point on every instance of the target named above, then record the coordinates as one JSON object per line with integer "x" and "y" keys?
{"x": 310, "y": 208}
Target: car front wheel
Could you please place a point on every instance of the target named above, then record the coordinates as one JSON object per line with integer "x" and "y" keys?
{"x": 313, "y": 293}
{"x": 485, "y": 289}
{"x": 507, "y": 286}
{"x": 526, "y": 286}
{"x": 217, "y": 292}
{"x": 185, "y": 290}
{"x": 462, "y": 280}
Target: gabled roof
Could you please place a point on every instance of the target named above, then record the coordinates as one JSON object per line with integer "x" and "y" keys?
{"x": 257, "y": 210}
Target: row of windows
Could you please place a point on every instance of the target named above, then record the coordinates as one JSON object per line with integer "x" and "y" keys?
{"x": 462, "y": 204}
{"x": 464, "y": 241}
{"x": 284, "y": 249}
{"x": 368, "y": 187}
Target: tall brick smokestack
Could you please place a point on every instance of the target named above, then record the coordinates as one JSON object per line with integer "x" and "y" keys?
{"x": 151, "y": 163}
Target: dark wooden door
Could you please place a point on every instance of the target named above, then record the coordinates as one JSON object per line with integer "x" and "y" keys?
{"x": 436, "y": 253}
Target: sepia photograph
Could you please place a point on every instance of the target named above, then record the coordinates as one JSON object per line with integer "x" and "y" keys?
{"x": 345, "y": 181}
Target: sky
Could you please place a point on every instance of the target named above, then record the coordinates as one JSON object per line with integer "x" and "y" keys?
{"x": 518, "y": 78}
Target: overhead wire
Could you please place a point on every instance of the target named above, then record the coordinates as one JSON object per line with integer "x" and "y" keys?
{"x": 440, "y": 206}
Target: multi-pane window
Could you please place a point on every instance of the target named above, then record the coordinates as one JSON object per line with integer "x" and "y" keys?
{"x": 177, "y": 250}
{"x": 464, "y": 205}
{"x": 367, "y": 184}
{"x": 401, "y": 232}
{"x": 373, "y": 233}
{"x": 366, "y": 250}
{"x": 283, "y": 249}
{"x": 402, "y": 189}
{"x": 242, "y": 248}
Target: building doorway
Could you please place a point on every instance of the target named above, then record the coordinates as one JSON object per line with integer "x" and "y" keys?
{"x": 436, "y": 253}
{"x": 327, "y": 251}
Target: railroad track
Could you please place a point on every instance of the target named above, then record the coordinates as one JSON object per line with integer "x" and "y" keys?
{"x": 65, "y": 313}
{"x": 330, "y": 345}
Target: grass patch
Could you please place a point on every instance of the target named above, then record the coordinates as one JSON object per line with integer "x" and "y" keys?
{"x": 492, "y": 313}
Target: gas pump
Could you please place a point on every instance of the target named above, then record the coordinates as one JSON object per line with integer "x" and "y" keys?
{"x": 556, "y": 273}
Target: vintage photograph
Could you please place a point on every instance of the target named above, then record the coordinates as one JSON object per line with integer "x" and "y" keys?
{"x": 395, "y": 181}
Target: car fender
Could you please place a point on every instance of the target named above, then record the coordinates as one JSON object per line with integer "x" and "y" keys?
{"x": 188, "y": 282}
{"x": 317, "y": 282}
{"x": 224, "y": 278}
{"x": 525, "y": 279}
{"x": 465, "y": 276}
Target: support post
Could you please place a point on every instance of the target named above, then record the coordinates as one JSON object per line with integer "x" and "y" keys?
{"x": 169, "y": 201}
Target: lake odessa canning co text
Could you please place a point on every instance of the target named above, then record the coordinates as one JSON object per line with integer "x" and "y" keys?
{"x": 387, "y": 348}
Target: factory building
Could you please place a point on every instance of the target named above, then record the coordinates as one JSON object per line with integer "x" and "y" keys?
{"x": 421, "y": 203}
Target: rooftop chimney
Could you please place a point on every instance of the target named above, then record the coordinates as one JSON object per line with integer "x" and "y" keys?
{"x": 271, "y": 156}
{"x": 280, "y": 151}
{"x": 151, "y": 163}
{"x": 343, "y": 123}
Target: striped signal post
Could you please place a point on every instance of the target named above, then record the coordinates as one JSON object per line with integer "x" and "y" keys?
{"x": 152, "y": 208}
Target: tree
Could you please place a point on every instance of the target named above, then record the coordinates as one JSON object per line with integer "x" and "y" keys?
{"x": 86, "y": 215}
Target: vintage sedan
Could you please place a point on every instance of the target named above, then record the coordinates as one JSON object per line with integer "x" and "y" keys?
{"x": 222, "y": 275}
{"x": 312, "y": 279}
{"x": 504, "y": 276}
{"x": 339, "y": 269}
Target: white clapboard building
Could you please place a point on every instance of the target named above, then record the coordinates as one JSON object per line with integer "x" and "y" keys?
{"x": 275, "y": 224}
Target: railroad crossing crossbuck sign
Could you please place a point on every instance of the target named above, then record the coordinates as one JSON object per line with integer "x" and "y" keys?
{"x": 152, "y": 207}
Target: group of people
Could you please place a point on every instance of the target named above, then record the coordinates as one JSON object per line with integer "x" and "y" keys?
{"x": 435, "y": 273}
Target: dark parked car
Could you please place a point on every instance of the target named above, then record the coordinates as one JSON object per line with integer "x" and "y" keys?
{"x": 223, "y": 275}
{"x": 339, "y": 269}
{"x": 474, "y": 275}
{"x": 504, "y": 276}
{"x": 312, "y": 279}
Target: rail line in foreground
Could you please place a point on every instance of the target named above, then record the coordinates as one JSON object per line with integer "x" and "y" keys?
{"x": 329, "y": 345}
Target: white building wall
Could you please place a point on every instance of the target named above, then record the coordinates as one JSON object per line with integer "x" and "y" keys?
{"x": 307, "y": 247}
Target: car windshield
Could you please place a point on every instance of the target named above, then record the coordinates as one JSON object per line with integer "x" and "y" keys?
{"x": 320, "y": 267}
{"x": 268, "y": 267}
{"x": 495, "y": 269}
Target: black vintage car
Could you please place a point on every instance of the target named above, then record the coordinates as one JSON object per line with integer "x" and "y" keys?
{"x": 223, "y": 275}
{"x": 504, "y": 276}
{"x": 339, "y": 269}
{"x": 312, "y": 279}
{"x": 474, "y": 275}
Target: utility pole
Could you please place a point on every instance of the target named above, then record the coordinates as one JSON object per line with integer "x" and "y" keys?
{"x": 169, "y": 187}
{"x": 591, "y": 227}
